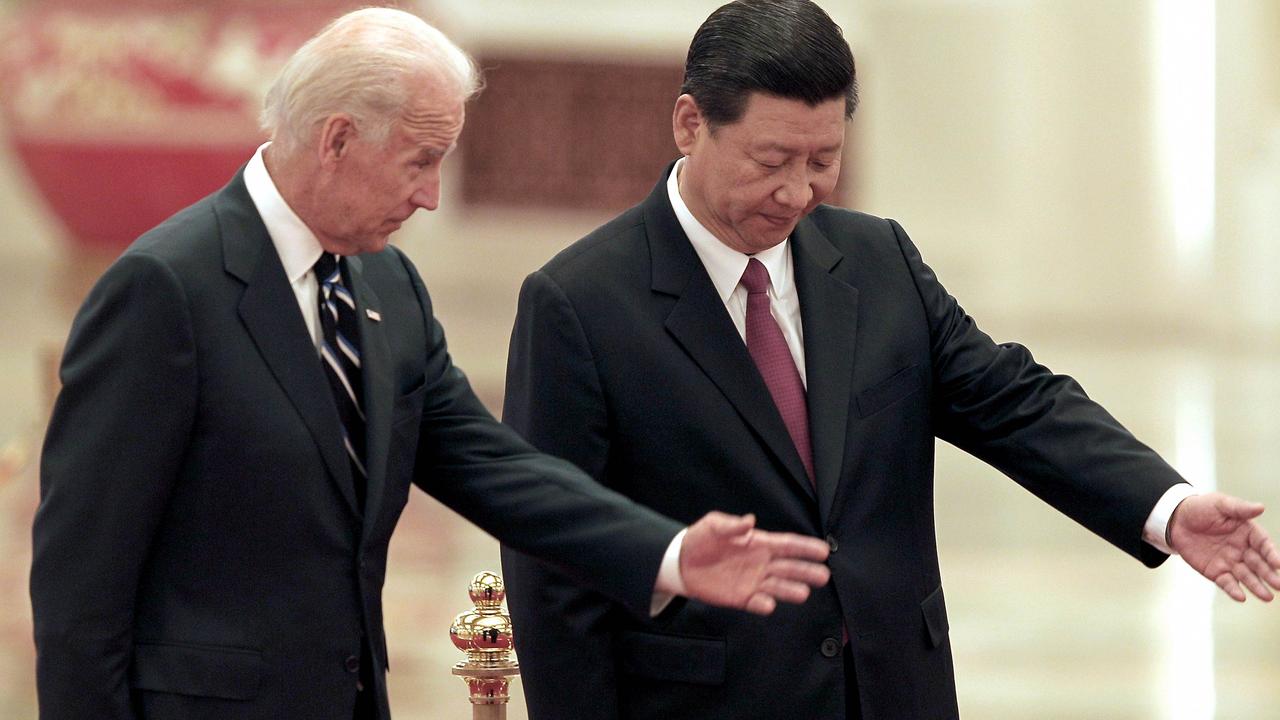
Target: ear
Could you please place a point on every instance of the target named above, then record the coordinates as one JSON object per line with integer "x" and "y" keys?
{"x": 687, "y": 123}
{"x": 336, "y": 135}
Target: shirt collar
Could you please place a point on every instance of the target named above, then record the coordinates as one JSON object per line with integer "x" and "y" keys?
{"x": 724, "y": 264}
{"x": 296, "y": 245}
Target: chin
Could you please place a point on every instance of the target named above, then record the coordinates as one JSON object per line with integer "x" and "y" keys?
{"x": 764, "y": 241}
{"x": 375, "y": 244}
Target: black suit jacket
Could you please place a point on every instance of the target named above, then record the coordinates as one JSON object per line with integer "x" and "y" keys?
{"x": 624, "y": 361}
{"x": 199, "y": 548}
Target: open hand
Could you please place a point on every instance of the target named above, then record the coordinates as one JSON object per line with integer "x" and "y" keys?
{"x": 726, "y": 561}
{"x": 1216, "y": 534}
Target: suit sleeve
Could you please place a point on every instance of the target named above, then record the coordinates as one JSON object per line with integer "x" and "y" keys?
{"x": 110, "y": 456}
{"x": 554, "y": 399}
{"x": 535, "y": 503}
{"x": 1039, "y": 428}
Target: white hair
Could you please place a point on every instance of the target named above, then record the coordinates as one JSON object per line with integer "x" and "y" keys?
{"x": 360, "y": 64}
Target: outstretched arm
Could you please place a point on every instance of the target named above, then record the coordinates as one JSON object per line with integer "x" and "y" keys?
{"x": 1218, "y": 536}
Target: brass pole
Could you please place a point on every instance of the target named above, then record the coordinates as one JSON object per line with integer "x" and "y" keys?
{"x": 484, "y": 634}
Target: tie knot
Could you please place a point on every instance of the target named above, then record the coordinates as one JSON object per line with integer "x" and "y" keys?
{"x": 327, "y": 268}
{"x": 756, "y": 277}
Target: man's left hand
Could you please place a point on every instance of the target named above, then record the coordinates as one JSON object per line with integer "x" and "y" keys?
{"x": 1216, "y": 534}
{"x": 725, "y": 560}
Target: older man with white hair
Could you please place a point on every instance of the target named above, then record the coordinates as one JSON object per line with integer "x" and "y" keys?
{"x": 250, "y": 390}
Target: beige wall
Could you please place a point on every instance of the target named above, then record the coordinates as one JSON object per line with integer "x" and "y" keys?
{"x": 1021, "y": 143}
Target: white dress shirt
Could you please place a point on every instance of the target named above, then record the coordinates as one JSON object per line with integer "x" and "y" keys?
{"x": 296, "y": 245}
{"x": 726, "y": 265}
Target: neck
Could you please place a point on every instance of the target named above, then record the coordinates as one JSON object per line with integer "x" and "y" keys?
{"x": 699, "y": 213}
{"x": 295, "y": 183}
{"x": 287, "y": 178}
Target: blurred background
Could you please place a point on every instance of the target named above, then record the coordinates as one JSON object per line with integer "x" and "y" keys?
{"x": 1098, "y": 179}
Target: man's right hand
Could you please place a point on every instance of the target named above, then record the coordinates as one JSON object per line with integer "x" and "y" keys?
{"x": 1218, "y": 536}
{"x": 726, "y": 561}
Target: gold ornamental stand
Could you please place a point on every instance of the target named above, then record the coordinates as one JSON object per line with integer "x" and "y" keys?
{"x": 484, "y": 634}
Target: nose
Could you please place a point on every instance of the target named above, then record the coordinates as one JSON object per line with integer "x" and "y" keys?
{"x": 795, "y": 192}
{"x": 427, "y": 194}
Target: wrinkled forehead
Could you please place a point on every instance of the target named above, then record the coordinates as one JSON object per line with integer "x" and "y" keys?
{"x": 435, "y": 110}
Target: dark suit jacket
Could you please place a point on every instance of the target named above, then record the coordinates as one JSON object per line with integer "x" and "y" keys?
{"x": 199, "y": 550}
{"x": 624, "y": 361}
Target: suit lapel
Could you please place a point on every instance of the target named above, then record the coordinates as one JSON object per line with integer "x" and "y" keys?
{"x": 700, "y": 324}
{"x": 829, "y": 315}
{"x": 267, "y": 310}
{"x": 375, "y": 374}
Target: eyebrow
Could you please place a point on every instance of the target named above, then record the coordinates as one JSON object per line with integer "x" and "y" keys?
{"x": 435, "y": 152}
{"x": 775, "y": 147}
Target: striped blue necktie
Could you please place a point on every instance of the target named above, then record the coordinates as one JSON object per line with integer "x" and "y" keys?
{"x": 340, "y": 355}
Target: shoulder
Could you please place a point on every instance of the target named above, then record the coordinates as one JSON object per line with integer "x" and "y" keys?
{"x": 189, "y": 232}
{"x": 193, "y": 240}
{"x": 869, "y": 238}
{"x": 192, "y": 248}
{"x": 167, "y": 258}
{"x": 841, "y": 225}
{"x": 389, "y": 267}
{"x": 608, "y": 265}
{"x": 612, "y": 246}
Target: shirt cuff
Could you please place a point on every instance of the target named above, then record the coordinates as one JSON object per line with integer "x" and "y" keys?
{"x": 669, "y": 583}
{"x": 1156, "y": 529}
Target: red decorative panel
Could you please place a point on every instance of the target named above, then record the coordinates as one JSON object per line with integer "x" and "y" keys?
{"x": 568, "y": 133}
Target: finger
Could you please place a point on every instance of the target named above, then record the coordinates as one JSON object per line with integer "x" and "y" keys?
{"x": 785, "y": 590}
{"x": 791, "y": 545}
{"x": 1253, "y": 582}
{"x": 726, "y": 525}
{"x": 1229, "y": 586}
{"x": 761, "y": 604}
{"x": 1266, "y": 548}
{"x": 1239, "y": 509}
{"x": 814, "y": 574}
{"x": 1259, "y": 566}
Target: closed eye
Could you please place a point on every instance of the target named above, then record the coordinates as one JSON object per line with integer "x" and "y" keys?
{"x": 427, "y": 158}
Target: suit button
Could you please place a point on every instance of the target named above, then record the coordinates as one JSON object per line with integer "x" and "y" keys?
{"x": 831, "y": 543}
{"x": 830, "y": 647}
{"x": 352, "y": 664}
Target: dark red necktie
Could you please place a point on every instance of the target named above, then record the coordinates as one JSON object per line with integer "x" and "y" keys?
{"x": 769, "y": 349}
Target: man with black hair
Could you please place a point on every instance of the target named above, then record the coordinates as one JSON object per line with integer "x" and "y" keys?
{"x": 731, "y": 342}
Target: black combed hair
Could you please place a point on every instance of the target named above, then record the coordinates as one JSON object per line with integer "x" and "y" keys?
{"x": 788, "y": 48}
